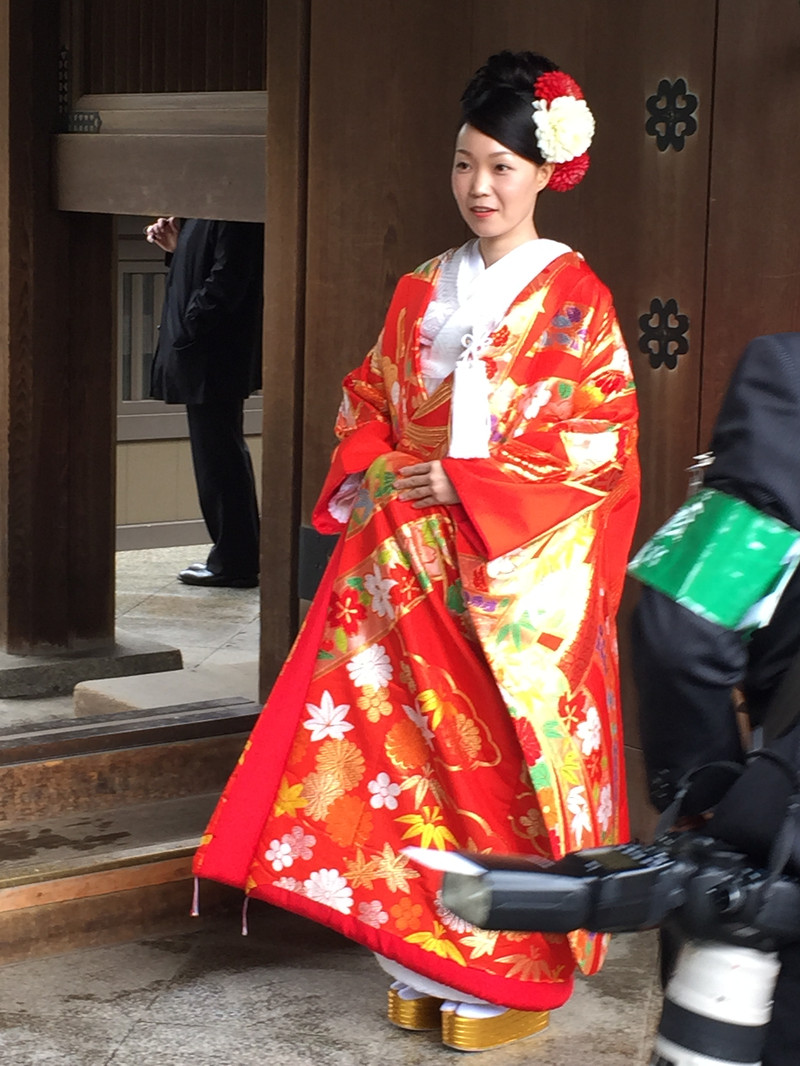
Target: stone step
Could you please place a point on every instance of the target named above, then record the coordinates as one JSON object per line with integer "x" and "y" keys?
{"x": 90, "y": 765}
{"x": 87, "y": 879}
{"x": 167, "y": 688}
{"x": 28, "y": 676}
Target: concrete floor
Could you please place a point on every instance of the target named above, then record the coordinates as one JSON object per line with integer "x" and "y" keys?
{"x": 212, "y": 627}
{"x": 291, "y": 993}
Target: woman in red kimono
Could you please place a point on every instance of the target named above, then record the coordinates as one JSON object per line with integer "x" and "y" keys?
{"x": 455, "y": 684}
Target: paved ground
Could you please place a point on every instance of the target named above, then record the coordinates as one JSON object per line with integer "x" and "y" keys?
{"x": 212, "y": 627}
{"x": 290, "y": 994}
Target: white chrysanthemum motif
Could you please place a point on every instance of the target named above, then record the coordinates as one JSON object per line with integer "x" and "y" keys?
{"x": 290, "y": 884}
{"x": 300, "y": 843}
{"x": 379, "y": 588}
{"x": 371, "y": 668}
{"x": 578, "y": 807}
{"x": 384, "y": 792}
{"x": 450, "y": 920}
{"x": 604, "y": 809}
{"x": 330, "y": 888}
{"x": 420, "y": 721}
{"x": 564, "y": 128}
{"x": 327, "y": 720}
{"x": 590, "y": 732}
{"x": 279, "y": 853}
{"x": 373, "y": 914}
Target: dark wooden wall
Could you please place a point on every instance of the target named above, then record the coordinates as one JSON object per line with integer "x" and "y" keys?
{"x": 170, "y": 46}
{"x": 754, "y": 215}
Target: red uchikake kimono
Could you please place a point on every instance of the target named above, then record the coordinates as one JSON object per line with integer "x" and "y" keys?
{"x": 455, "y": 683}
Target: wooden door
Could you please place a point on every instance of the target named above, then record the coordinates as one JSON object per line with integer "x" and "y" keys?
{"x": 754, "y": 220}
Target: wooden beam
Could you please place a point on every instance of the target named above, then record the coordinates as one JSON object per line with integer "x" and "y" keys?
{"x": 233, "y": 112}
{"x": 193, "y": 176}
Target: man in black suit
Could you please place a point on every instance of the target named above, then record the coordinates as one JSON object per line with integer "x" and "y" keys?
{"x": 209, "y": 358}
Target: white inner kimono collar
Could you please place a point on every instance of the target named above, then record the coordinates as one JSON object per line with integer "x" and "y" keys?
{"x": 471, "y": 299}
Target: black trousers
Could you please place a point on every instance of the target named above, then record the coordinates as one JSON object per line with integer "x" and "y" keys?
{"x": 223, "y": 472}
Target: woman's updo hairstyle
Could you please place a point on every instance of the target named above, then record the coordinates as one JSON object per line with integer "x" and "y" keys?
{"x": 526, "y": 103}
{"x": 499, "y": 98}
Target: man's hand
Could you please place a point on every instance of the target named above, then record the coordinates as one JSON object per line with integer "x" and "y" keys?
{"x": 164, "y": 233}
{"x": 426, "y": 484}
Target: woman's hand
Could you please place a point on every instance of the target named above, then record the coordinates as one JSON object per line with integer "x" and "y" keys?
{"x": 426, "y": 484}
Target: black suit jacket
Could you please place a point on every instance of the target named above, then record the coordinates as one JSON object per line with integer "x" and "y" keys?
{"x": 686, "y": 666}
{"x": 209, "y": 344}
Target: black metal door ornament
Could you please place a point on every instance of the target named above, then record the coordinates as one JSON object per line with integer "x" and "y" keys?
{"x": 664, "y": 332}
{"x": 671, "y": 113}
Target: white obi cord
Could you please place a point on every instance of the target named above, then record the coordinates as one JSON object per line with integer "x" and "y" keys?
{"x": 469, "y": 304}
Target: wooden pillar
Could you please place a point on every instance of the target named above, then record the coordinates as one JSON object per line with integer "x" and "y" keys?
{"x": 284, "y": 330}
{"x": 56, "y": 369}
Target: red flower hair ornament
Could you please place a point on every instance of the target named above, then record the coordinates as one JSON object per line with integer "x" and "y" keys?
{"x": 564, "y": 128}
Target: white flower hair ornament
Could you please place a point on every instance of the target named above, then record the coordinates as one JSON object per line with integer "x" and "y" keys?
{"x": 564, "y": 128}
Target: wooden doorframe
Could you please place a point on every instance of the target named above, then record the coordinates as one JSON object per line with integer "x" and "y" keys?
{"x": 288, "y": 54}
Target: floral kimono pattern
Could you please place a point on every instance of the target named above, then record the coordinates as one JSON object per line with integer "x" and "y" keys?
{"x": 455, "y": 683}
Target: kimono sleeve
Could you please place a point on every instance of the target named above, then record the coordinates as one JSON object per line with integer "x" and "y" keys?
{"x": 554, "y": 466}
{"x": 364, "y": 430}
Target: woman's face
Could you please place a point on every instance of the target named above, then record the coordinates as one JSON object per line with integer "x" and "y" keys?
{"x": 496, "y": 192}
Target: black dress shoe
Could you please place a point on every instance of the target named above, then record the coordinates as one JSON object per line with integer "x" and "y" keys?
{"x": 199, "y": 575}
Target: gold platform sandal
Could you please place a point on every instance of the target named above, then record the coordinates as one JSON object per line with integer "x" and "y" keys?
{"x": 464, "y": 1033}
{"x": 410, "y": 1009}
